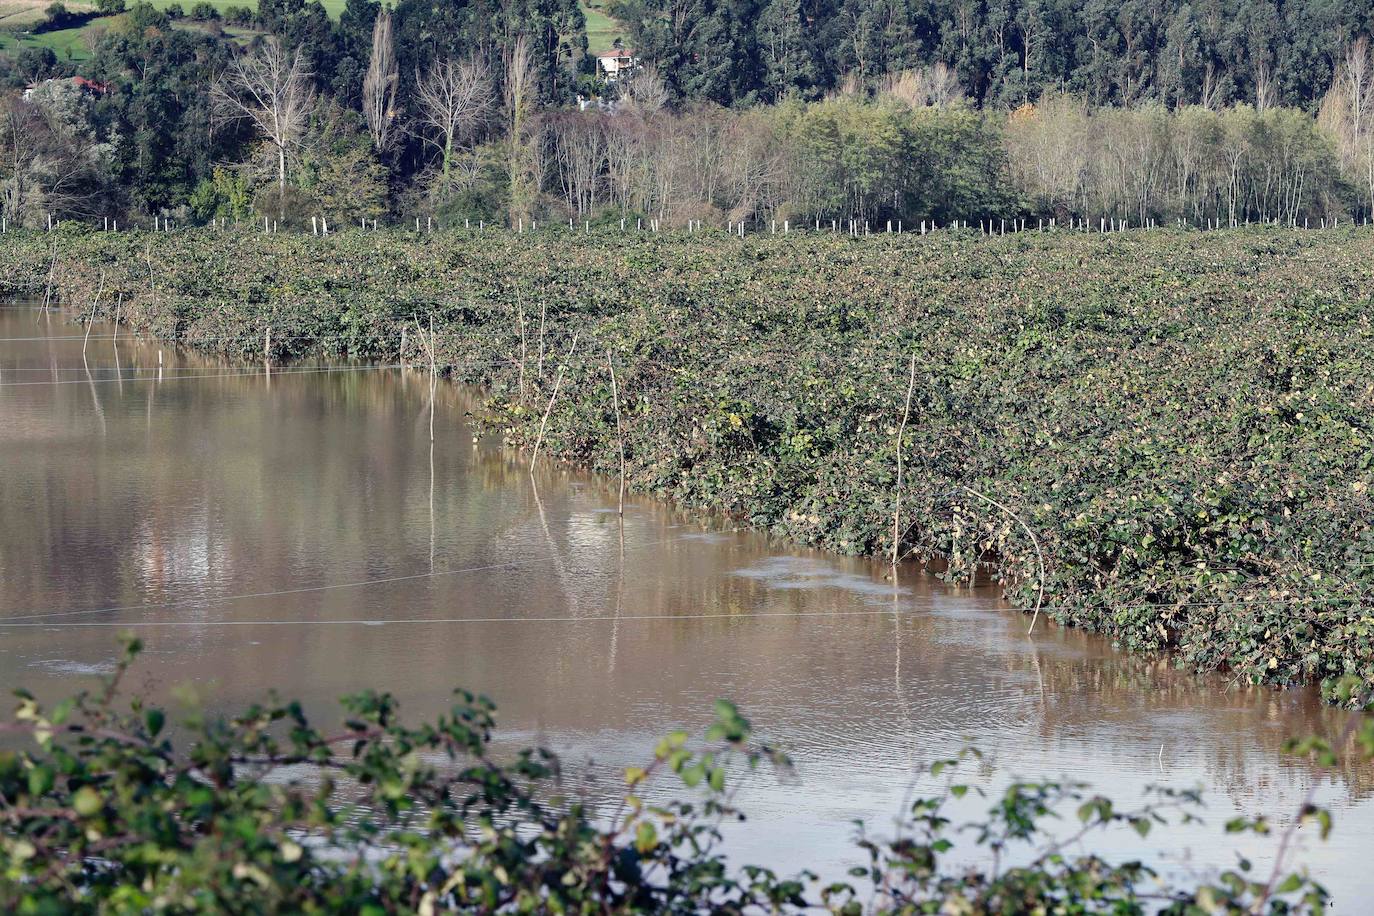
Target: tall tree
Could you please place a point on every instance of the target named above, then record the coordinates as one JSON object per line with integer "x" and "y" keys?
{"x": 452, "y": 101}
{"x": 521, "y": 99}
{"x": 788, "y": 62}
{"x": 271, "y": 88}
{"x": 380, "y": 83}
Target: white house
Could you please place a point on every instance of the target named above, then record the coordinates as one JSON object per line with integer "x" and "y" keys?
{"x": 616, "y": 64}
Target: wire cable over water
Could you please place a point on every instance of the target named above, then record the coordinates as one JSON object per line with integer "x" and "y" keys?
{"x": 15, "y": 620}
{"x": 274, "y": 373}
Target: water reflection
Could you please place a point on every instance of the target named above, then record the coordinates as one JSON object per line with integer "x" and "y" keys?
{"x": 370, "y": 555}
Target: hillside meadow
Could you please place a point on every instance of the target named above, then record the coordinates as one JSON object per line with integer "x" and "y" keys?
{"x": 1162, "y": 436}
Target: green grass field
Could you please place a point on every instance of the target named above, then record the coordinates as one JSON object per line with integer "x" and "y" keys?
{"x": 17, "y": 16}
{"x": 68, "y": 44}
{"x": 74, "y": 44}
{"x": 23, "y": 14}
{"x": 602, "y": 30}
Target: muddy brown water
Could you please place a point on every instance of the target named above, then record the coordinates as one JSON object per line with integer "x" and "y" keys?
{"x": 300, "y": 531}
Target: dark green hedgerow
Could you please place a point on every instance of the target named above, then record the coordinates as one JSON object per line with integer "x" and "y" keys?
{"x": 1183, "y": 419}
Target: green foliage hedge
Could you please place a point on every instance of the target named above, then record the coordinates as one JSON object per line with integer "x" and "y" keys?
{"x": 1181, "y": 419}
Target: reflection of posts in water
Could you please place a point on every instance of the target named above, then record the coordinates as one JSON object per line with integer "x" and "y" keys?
{"x": 428, "y": 342}
{"x": 898, "y": 694}
{"x": 1039, "y": 675}
{"x": 433, "y": 376}
{"x": 619, "y": 599}
{"x": 95, "y": 303}
{"x": 95, "y": 396}
{"x": 554, "y": 553}
{"x": 431, "y": 505}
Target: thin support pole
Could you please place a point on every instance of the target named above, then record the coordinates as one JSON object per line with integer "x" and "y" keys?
{"x": 619, "y": 433}
{"x": 897, "y": 511}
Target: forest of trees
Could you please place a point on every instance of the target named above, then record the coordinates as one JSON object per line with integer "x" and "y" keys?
{"x": 1005, "y": 52}
{"x": 870, "y": 109}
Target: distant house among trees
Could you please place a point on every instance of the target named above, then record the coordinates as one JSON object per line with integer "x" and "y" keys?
{"x": 616, "y": 63}
{"x": 80, "y": 83}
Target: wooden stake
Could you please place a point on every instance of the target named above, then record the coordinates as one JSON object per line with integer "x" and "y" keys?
{"x": 619, "y": 433}
{"x": 433, "y": 377}
{"x": 94, "y": 303}
{"x": 897, "y": 512}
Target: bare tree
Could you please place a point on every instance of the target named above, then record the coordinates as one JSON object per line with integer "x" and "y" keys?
{"x": 579, "y": 148}
{"x": 644, "y": 89}
{"x": 520, "y": 100}
{"x": 19, "y": 145}
{"x": 1046, "y": 146}
{"x": 1266, "y": 89}
{"x": 1348, "y": 112}
{"x": 1356, "y": 76}
{"x": 379, "y": 84}
{"x": 454, "y": 98}
{"x": 271, "y": 89}
{"x": 936, "y": 85}
{"x": 50, "y": 159}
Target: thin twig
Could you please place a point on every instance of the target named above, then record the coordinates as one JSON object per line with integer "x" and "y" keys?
{"x": 1039, "y": 557}
{"x": 52, "y": 264}
{"x": 558, "y": 380}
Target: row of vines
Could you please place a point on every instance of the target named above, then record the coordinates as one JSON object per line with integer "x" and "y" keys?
{"x": 1181, "y": 420}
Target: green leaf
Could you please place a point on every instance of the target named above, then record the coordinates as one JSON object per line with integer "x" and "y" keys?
{"x": 87, "y": 801}
{"x": 1289, "y": 885}
{"x": 41, "y": 780}
{"x": 646, "y": 837}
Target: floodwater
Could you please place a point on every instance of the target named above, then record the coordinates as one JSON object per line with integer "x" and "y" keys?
{"x": 301, "y": 531}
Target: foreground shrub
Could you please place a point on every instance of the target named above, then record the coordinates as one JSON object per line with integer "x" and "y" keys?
{"x": 103, "y": 810}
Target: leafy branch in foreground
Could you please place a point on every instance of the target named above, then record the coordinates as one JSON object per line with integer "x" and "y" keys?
{"x": 104, "y": 812}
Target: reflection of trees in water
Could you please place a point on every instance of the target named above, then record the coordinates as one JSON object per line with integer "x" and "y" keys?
{"x": 328, "y": 480}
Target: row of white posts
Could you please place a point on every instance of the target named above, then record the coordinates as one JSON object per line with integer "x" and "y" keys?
{"x": 854, "y": 227}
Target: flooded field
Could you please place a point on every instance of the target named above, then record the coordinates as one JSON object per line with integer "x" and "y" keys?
{"x": 300, "y": 530}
